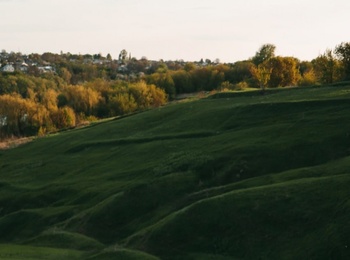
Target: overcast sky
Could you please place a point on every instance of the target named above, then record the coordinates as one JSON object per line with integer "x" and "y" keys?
{"x": 230, "y": 30}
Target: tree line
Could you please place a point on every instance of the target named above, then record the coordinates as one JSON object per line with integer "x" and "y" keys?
{"x": 32, "y": 105}
{"x": 263, "y": 70}
{"x": 87, "y": 87}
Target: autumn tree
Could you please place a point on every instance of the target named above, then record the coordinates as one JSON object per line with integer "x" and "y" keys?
{"x": 183, "y": 81}
{"x": 327, "y": 68}
{"x": 163, "y": 80}
{"x": 12, "y": 111}
{"x": 147, "y": 95}
{"x": 63, "y": 117}
{"x": 81, "y": 99}
{"x": 23, "y": 84}
{"x": 65, "y": 75}
{"x": 158, "y": 96}
{"x": 136, "y": 96}
{"x": 284, "y": 71}
{"x": 307, "y": 74}
{"x": 49, "y": 100}
{"x": 122, "y": 103}
{"x": 21, "y": 117}
{"x": 261, "y": 74}
{"x": 189, "y": 66}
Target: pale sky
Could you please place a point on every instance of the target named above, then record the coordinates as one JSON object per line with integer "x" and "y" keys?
{"x": 230, "y": 30}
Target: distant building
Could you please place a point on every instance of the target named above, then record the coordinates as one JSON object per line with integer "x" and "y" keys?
{"x": 44, "y": 69}
{"x": 98, "y": 62}
{"x": 3, "y": 121}
{"x": 8, "y": 68}
{"x": 122, "y": 69}
{"x": 21, "y": 66}
{"x": 24, "y": 67}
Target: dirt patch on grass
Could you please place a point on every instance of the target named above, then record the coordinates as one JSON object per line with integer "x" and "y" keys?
{"x": 14, "y": 142}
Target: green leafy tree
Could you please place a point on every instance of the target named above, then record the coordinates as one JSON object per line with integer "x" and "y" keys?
{"x": 266, "y": 52}
{"x": 239, "y": 71}
{"x": 216, "y": 79}
{"x": 123, "y": 55}
{"x": 307, "y": 74}
{"x": 189, "y": 66}
{"x": 343, "y": 52}
{"x": 183, "y": 81}
{"x": 122, "y": 103}
{"x": 202, "y": 78}
{"x": 327, "y": 68}
{"x": 163, "y": 81}
{"x": 8, "y": 84}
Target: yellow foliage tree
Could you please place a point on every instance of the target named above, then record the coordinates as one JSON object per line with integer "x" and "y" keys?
{"x": 21, "y": 117}
{"x": 285, "y": 71}
{"x": 64, "y": 117}
{"x": 49, "y": 99}
{"x": 261, "y": 74}
{"x": 158, "y": 96}
{"x": 122, "y": 103}
{"x": 82, "y": 99}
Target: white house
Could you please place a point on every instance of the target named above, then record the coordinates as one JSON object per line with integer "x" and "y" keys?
{"x": 24, "y": 67}
{"x": 46, "y": 69}
{"x": 8, "y": 68}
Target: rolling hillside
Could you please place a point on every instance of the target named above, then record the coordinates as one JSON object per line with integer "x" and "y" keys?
{"x": 231, "y": 176}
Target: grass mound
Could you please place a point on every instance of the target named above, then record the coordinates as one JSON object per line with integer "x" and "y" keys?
{"x": 232, "y": 176}
{"x": 272, "y": 219}
{"x": 62, "y": 239}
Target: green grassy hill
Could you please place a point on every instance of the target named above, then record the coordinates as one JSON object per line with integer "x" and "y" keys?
{"x": 232, "y": 176}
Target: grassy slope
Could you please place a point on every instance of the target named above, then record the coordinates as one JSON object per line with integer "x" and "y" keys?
{"x": 233, "y": 176}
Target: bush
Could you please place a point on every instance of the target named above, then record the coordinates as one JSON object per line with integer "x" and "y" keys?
{"x": 241, "y": 85}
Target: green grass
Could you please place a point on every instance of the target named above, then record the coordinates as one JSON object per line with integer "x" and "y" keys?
{"x": 117, "y": 253}
{"x": 233, "y": 176}
{"x": 16, "y": 252}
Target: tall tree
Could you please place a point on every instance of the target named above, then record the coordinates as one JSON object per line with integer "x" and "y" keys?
{"x": 183, "y": 81}
{"x": 164, "y": 81}
{"x": 284, "y": 71}
{"x": 123, "y": 55}
{"x": 239, "y": 71}
{"x": 327, "y": 68}
{"x": 266, "y": 52}
{"x": 343, "y": 52}
{"x": 65, "y": 74}
{"x": 307, "y": 73}
{"x": 81, "y": 99}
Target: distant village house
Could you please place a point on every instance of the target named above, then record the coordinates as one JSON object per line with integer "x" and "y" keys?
{"x": 8, "y": 68}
